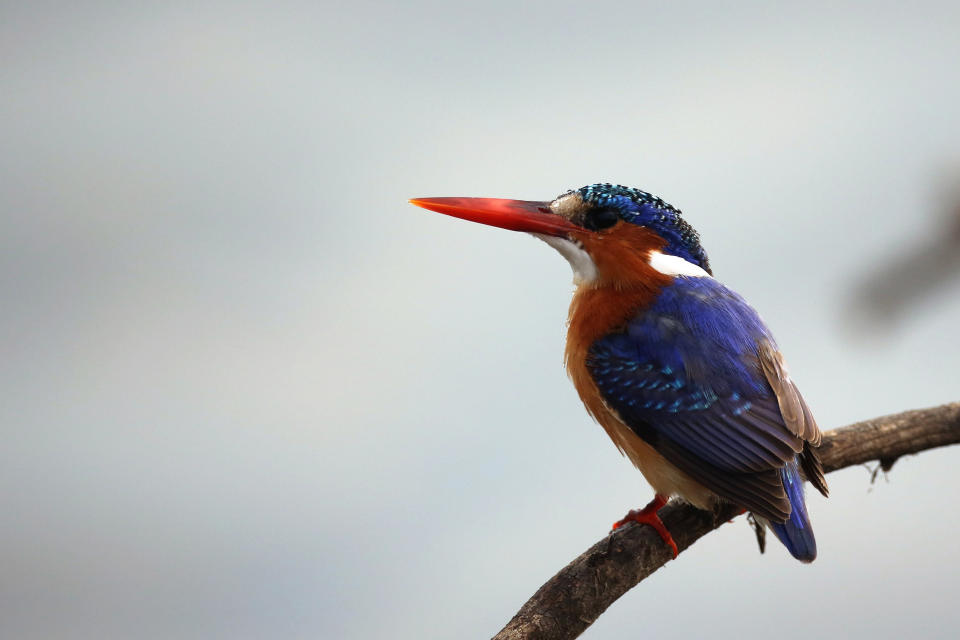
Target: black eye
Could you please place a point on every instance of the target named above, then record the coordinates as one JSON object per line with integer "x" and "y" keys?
{"x": 600, "y": 218}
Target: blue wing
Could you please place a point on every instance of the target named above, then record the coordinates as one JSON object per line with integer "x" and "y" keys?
{"x": 698, "y": 377}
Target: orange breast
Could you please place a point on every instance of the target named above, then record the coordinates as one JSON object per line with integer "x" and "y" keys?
{"x": 626, "y": 285}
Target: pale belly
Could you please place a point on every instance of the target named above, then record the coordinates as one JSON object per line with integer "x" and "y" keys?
{"x": 665, "y": 478}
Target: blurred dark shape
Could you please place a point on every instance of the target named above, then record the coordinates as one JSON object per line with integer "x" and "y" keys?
{"x": 897, "y": 287}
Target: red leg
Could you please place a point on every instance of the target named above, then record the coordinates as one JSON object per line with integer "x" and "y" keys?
{"x": 648, "y": 515}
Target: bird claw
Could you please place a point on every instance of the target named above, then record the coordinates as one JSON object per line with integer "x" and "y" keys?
{"x": 648, "y": 515}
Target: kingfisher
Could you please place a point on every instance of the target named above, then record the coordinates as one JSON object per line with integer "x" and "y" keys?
{"x": 679, "y": 370}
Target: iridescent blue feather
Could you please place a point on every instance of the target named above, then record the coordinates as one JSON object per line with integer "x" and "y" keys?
{"x": 646, "y": 210}
{"x": 684, "y": 375}
{"x": 796, "y": 534}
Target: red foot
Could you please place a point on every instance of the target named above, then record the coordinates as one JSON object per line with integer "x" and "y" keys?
{"x": 648, "y": 515}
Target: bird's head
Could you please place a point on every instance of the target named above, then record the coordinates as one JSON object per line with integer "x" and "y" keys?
{"x": 610, "y": 234}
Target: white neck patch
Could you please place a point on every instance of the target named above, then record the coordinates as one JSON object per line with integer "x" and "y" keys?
{"x": 584, "y": 269}
{"x": 675, "y": 265}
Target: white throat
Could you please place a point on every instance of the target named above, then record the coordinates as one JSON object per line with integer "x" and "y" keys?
{"x": 584, "y": 269}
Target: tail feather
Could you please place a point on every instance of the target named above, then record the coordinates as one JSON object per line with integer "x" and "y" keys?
{"x": 796, "y": 534}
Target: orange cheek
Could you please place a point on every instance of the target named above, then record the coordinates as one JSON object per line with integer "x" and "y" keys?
{"x": 621, "y": 254}
{"x": 625, "y": 284}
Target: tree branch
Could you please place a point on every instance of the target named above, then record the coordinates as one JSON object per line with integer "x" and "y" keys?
{"x": 574, "y": 598}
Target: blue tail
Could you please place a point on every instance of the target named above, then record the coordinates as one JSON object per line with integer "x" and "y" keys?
{"x": 796, "y": 534}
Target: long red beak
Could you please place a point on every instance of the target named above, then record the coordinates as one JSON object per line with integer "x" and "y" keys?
{"x": 516, "y": 215}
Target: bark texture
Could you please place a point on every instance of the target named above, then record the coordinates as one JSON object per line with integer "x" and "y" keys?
{"x": 576, "y": 596}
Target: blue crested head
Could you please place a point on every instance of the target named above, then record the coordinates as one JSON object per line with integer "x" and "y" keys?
{"x": 612, "y": 202}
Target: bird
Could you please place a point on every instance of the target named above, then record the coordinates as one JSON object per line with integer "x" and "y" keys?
{"x": 679, "y": 370}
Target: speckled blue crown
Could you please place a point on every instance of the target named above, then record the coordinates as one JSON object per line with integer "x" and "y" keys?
{"x": 644, "y": 209}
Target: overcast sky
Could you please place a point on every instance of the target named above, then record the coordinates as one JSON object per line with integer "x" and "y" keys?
{"x": 249, "y": 392}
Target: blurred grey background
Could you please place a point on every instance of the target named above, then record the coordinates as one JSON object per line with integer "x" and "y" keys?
{"x": 249, "y": 392}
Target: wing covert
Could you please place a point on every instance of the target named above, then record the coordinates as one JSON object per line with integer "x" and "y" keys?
{"x": 691, "y": 376}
